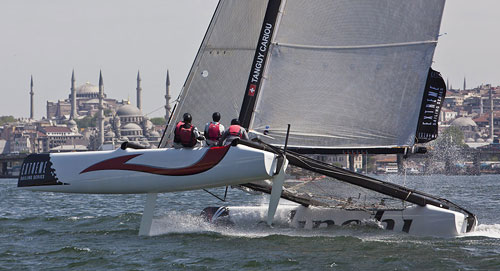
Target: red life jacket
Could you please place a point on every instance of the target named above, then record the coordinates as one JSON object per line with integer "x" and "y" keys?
{"x": 214, "y": 131}
{"x": 177, "y": 138}
{"x": 186, "y": 135}
{"x": 235, "y": 130}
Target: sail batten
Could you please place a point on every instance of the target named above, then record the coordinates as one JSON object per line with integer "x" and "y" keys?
{"x": 401, "y": 44}
{"x": 222, "y": 49}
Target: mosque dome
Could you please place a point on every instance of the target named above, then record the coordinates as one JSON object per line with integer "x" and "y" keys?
{"x": 154, "y": 134}
{"x": 109, "y": 134}
{"x": 128, "y": 110}
{"x": 87, "y": 88}
{"x": 480, "y": 140}
{"x": 131, "y": 127}
{"x": 463, "y": 122}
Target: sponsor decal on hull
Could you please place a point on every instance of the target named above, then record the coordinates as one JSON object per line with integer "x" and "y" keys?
{"x": 36, "y": 171}
{"x": 210, "y": 159}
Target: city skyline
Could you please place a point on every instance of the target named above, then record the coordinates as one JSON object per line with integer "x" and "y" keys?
{"x": 50, "y": 39}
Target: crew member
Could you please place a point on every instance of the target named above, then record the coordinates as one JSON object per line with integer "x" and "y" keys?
{"x": 234, "y": 131}
{"x": 186, "y": 135}
{"x": 214, "y": 130}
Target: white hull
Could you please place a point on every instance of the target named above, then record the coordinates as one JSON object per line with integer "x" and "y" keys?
{"x": 145, "y": 171}
{"x": 169, "y": 170}
{"x": 416, "y": 220}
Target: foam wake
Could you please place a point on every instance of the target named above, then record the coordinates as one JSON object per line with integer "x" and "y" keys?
{"x": 484, "y": 230}
{"x": 250, "y": 224}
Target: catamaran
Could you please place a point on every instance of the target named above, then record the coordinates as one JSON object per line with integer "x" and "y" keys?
{"x": 306, "y": 77}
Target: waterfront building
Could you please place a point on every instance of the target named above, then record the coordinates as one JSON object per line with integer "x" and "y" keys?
{"x": 54, "y": 138}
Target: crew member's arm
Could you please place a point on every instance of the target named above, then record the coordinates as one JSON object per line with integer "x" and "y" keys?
{"x": 205, "y": 133}
{"x": 223, "y": 137}
{"x": 244, "y": 134}
{"x": 221, "y": 129}
{"x": 197, "y": 134}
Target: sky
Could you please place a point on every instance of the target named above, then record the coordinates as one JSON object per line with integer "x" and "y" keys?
{"x": 48, "y": 39}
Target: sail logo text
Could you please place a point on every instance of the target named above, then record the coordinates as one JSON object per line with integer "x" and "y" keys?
{"x": 261, "y": 53}
{"x": 33, "y": 171}
{"x": 33, "y": 168}
{"x": 432, "y": 106}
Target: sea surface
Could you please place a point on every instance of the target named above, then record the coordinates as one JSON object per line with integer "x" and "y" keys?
{"x": 50, "y": 231}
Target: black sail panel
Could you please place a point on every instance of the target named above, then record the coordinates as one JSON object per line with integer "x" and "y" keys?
{"x": 435, "y": 92}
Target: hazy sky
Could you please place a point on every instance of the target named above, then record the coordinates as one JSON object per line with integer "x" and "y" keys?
{"x": 50, "y": 38}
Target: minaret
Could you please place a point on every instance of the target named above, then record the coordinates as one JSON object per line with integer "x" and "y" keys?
{"x": 481, "y": 105}
{"x": 167, "y": 99}
{"x": 139, "y": 90}
{"x": 492, "y": 115}
{"x": 73, "y": 114}
{"x": 465, "y": 85}
{"x": 32, "y": 105}
{"x": 101, "y": 109}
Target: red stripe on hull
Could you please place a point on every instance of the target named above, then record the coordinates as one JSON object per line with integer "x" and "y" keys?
{"x": 211, "y": 158}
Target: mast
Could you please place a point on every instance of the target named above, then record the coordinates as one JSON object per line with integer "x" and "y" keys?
{"x": 259, "y": 62}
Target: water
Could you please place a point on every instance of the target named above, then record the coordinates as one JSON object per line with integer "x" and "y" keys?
{"x": 49, "y": 231}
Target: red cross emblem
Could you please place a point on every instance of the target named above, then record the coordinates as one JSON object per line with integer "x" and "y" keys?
{"x": 251, "y": 90}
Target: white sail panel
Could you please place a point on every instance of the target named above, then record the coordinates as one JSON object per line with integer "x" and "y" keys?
{"x": 218, "y": 77}
{"x": 348, "y": 73}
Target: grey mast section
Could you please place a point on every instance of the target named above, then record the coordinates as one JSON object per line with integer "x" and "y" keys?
{"x": 32, "y": 105}
{"x": 74, "y": 114}
{"x": 167, "y": 98}
{"x": 101, "y": 109}
{"x": 139, "y": 91}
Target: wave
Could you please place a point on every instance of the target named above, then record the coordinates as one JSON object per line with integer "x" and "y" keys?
{"x": 485, "y": 230}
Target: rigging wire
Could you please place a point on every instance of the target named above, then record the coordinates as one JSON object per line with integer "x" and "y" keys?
{"x": 219, "y": 198}
{"x": 161, "y": 107}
